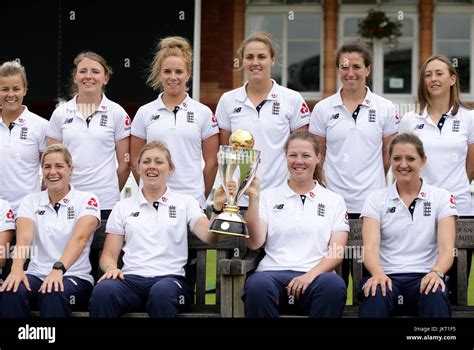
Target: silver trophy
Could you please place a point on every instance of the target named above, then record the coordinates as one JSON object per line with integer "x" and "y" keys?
{"x": 237, "y": 162}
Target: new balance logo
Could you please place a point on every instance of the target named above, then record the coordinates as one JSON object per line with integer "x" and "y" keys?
{"x": 237, "y": 110}
{"x": 155, "y": 117}
{"x": 39, "y": 212}
{"x": 278, "y": 206}
{"x": 135, "y": 214}
{"x": 391, "y": 210}
{"x": 419, "y": 126}
{"x": 334, "y": 116}
{"x": 68, "y": 120}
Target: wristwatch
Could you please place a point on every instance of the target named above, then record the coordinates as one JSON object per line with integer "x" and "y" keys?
{"x": 215, "y": 211}
{"x": 439, "y": 273}
{"x": 58, "y": 265}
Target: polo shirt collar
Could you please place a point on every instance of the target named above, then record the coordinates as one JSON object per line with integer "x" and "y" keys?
{"x": 423, "y": 194}
{"x": 160, "y": 104}
{"x": 311, "y": 195}
{"x": 273, "y": 95}
{"x": 66, "y": 200}
{"x": 424, "y": 114}
{"x": 71, "y": 105}
{"x": 164, "y": 200}
{"x": 337, "y": 101}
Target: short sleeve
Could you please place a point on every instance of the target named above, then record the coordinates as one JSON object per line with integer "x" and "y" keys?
{"x": 222, "y": 115}
{"x": 42, "y": 134}
{"x": 317, "y": 123}
{"x": 209, "y": 125}
{"x": 122, "y": 124}
{"x": 54, "y": 126}
{"x": 300, "y": 112}
{"x": 7, "y": 217}
{"x": 446, "y": 205}
{"x": 392, "y": 121}
{"x": 138, "y": 124}
{"x": 470, "y": 131}
{"x": 405, "y": 122}
{"x": 90, "y": 206}
{"x": 27, "y": 208}
{"x": 371, "y": 205}
{"x": 116, "y": 222}
{"x": 193, "y": 212}
{"x": 341, "y": 220}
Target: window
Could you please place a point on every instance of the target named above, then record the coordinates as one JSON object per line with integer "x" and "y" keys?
{"x": 297, "y": 30}
{"x": 453, "y": 39}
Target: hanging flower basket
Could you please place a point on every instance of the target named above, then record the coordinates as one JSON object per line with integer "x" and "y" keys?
{"x": 378, "y": 26}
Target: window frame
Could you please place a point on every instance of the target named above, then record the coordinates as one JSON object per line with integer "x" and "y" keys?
{"x": 347, "y": 11}
{"x": 282, "y": 53}
{"x": 448, "y": 9}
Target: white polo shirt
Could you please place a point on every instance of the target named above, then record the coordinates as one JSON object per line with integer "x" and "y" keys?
{"x": 7, "y": 217}
{"x": 298, "y": 235}
{"x": 54, "y": 230}
{"x": 92, "y": 146}
{"x": 446, "y": 151}
{"x": 184, "y": 134}
{"x": 409, "y": 244}
{"x": 283, "y": 112}
{"x": 20, "y": 150}
{"x": 354, "y": 165}
{"x": 156, "y": 240}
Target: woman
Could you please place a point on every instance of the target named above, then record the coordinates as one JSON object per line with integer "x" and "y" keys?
{"x": 408, "y": 233}
{"x": 446, "y": 128}
{"x": 187, "y": 126}
{"x": 154, "y": 224}
{"x": 54, "y": 229}
{"x": 95, "y": 130}
{"x": 7, "y": 229}
{"x": 301, "y": 253}
{"x": 22, "y": 136}
{"x": 267, "y": 110}
{"x": 354, "y": 127}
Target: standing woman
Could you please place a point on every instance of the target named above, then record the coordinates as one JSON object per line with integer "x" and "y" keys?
{"x": 269, "y": 111}
{"x": 354, "y": 127}
{"x": 95, "y": 130}
{"x": 301, "y": 253}
{"x": 152, "y": 229}
{"x": 408, "y": 233}
{"x": 446, "y": 128}
{"x": 187, "y": 126}
{"x": 54, "y": 230}
{"x": 22, "y": 137}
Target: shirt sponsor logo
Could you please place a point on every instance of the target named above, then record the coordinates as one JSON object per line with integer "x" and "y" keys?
{"x": 397, "y": 118}
{"x": 214, "y": 121}
{"x": 423, "y": 194}
{"x": 304, "y": 109}
{"x": 65, "y": 200}
{"x": 164, "y": 199}
{"x": 451, "y": 200}
{"x": 128, "y": 121}
{"x": 311, "y": 194}
{"x": 92, "y": 202}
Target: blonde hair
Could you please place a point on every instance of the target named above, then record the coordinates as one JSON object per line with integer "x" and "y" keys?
{"x": 318, "y": 174}
{"x": 9, "y": 68}
{"x": 94, "y": 57}
{"x": 161, "y": 145}
{"x": 57, "y": 148}
{"x": 175, "y": 46}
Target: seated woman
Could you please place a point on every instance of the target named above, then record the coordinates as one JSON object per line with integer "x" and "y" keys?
{"x": 304, "y": 228}
{"x": 55, "y": 229}
{"x": 7, "y": 229}
{"x": 408, "y": 233}
{"x": 154, "y": 224}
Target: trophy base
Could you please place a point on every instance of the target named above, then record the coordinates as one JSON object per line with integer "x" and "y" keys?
{"x": 231, "y": 224}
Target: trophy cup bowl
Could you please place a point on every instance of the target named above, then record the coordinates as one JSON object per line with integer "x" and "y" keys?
{"x": 237, "y": 162}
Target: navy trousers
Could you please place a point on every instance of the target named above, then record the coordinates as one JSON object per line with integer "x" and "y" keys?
{"x": 161, "y": 296}
{"x": 55, "y": 304}
{"x": 265, "y": 295}
{"x": 406, "y": 298}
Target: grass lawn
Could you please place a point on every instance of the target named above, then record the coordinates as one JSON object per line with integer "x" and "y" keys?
{"x": 211, "y": 282}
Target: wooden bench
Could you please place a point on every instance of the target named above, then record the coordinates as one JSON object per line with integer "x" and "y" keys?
{"x": 237, "y": 269}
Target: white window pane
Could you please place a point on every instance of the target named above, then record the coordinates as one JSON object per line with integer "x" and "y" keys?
{"x": 458, "y": 52}
{"x": 304, "y": 26}
{"x": 397, "y": 69}
{"x": 452, "y": 26}
{"x": 304, "y": 59}
{"x": 407, "y": 27}
{"x": 351, "y": 26}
